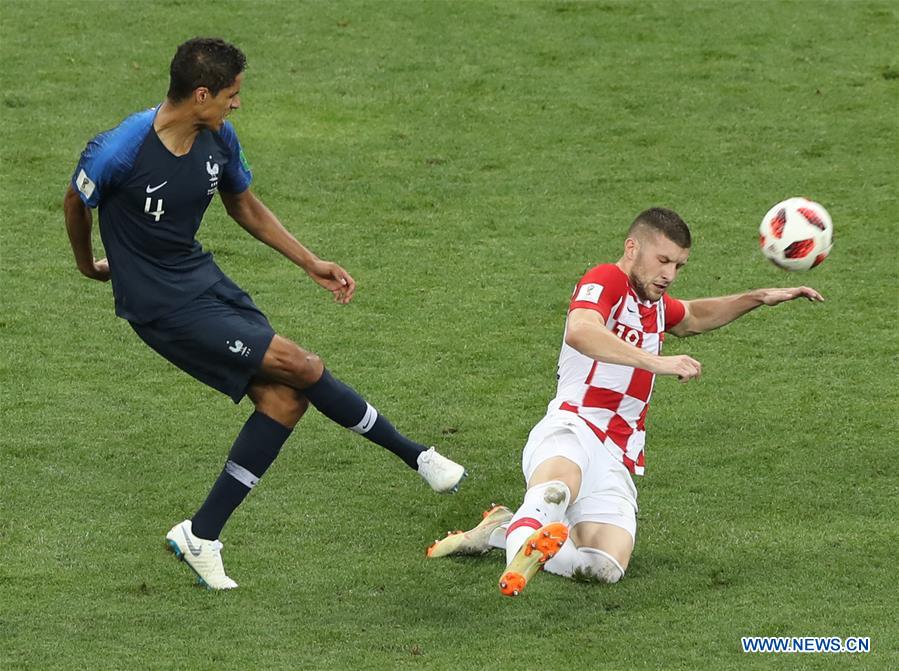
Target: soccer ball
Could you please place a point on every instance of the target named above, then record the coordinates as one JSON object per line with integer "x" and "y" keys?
{"x": 796, "y": 234}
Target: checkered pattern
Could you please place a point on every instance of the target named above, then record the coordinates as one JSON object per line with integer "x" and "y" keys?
{"x": 613, "y": 399}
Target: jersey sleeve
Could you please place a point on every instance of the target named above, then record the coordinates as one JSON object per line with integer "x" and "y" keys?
{"x": 674, "y": 311}
{"x": 96, "y": 171}
{"x": 109, "y": 157}
{"x": 237, "y": 176}
{"x": 600, "y": 289}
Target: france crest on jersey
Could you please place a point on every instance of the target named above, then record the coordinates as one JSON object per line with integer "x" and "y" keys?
{"x": 151, "y": 204}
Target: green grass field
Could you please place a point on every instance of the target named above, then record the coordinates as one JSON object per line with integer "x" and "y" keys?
{"x": 466, "y": 162}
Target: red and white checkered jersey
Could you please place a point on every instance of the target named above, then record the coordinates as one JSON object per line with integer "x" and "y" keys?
{"x": 612, "y": 399}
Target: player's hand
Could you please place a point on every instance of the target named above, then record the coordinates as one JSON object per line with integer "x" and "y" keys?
{"x": 778, "y": 296}
{"x": 333, "y": 278}
{"x": 684, "y": 367}
{"x": 99, "y": 270}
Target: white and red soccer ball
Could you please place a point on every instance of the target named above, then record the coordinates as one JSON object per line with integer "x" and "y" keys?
{"x": 796, "y": 234}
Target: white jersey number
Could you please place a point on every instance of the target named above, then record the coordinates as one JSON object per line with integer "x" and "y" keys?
{"x": 158, "y": 212}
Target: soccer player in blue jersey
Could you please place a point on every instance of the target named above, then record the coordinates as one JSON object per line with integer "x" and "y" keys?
{"x": 152, "y": 178}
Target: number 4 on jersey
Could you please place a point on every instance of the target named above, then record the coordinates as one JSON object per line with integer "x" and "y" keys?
{"x": 158, "y": 212}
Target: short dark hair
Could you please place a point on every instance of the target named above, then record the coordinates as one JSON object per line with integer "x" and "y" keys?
{"x": 666, "y": 222}
{"x": 204, "y": 61}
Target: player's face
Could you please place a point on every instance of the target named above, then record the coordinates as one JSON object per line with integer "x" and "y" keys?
{"x": 217, "y": 108}
{"x": 657, "y": 261}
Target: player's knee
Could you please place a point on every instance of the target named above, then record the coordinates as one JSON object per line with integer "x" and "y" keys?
{"x": 599, "y": 566}
{"x": 555, "y": 492}
{"x": 283, "y": 404}
{"x": 307, "y": 368}
{"x": 293, "y": 364}
{"x": 560, "y": 470}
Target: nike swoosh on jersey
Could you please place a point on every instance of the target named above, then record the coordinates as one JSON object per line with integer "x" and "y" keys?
{"x": 156, "y": 188}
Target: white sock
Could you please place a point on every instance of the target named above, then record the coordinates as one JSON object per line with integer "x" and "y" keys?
{"x": 601, "y": 565}
{"x": 565, "y": 561}
{"x": 542, "y": 505}
{"x": 498, "y": 537}
{"x": 589, "y": 562}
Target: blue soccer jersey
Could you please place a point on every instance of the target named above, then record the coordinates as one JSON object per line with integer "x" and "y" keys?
{"x": 151, "y": 204}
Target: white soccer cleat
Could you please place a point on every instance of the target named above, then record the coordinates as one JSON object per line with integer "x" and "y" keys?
{"x": 202, "y": 556}
{"x": 442, "y": 474}
{"x": 476, "y": 541}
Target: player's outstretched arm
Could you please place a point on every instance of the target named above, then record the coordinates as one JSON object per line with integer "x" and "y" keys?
{"x": 707, "y": 314}
{"x": 252, "y": 214}
{"x": 79, "y": 223}
{"x": 587, "y": 333}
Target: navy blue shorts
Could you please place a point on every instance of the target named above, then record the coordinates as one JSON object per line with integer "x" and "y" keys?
{"x": 219, "y": 338}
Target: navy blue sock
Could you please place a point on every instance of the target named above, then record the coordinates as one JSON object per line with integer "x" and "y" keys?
{"x": 256, "y": 447}
{"x": 342, "y": 404}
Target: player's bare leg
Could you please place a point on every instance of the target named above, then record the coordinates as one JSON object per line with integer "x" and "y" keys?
{"x": 282, "y": 403}
{"x": 536, "y": 532}
{"x": 561, "y": 469}
{"x": 595, "y": 552}
{"x": 611, "y": 539}
{"x": 289, "y": 364}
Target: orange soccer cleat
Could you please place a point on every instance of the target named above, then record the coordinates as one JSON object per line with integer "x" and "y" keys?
{"x": 542, "y": 546}
{"x": 475, "y": 541}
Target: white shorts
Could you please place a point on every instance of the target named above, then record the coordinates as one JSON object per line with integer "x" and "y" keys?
{"x": 607, "y": 493}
